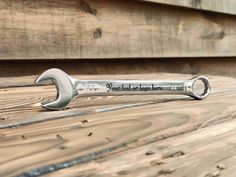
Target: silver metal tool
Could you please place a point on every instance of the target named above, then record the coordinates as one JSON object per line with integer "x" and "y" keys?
{"x": 69, "y": 88}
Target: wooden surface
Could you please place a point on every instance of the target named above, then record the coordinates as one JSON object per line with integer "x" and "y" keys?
{"x": 222, "y": 6}
{"x": 76, "y": 29}
{"x": 172, "y": 136}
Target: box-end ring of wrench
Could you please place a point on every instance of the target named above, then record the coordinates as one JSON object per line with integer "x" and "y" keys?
{"x": 68, "y": 88}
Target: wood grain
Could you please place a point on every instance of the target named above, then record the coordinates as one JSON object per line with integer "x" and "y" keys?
{"x": 115, "y": 136}
{"x": 79, "y": 29}
{"x": 222, "y": 6}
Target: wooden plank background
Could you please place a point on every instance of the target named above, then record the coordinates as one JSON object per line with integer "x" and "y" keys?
{"x": 116, "y": 136}
{"x": 75, "y": 29}
{"x": 222, "y": 6}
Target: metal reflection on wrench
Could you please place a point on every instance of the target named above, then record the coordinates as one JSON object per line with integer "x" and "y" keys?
{"x": 69, "y": 88}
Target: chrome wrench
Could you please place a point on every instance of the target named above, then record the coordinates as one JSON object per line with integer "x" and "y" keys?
{"x": 68, "y": 88}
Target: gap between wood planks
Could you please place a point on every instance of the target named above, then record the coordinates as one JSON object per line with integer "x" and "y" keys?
{"x": 11, "y": 70}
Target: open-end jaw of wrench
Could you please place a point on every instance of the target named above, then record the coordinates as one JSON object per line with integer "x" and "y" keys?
{"x": 68, "y": 88}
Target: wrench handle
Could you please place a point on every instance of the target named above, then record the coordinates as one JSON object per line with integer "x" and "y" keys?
{"x": 128, "y": 87}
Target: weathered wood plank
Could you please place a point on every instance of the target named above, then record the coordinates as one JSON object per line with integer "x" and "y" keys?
{"x": 127, "y": 127}
{"x": 223, "y": 6}
{"x": 207, "y": 152}
{"x": 110, "y": 29}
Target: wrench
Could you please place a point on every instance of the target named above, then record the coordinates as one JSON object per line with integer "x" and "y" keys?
{"x": 69, "y": 88}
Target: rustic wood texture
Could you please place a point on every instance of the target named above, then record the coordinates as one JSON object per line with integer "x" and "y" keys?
{"x": 76, "y": 29}
{"x": 223, "y": 6}
{"x": 115, "y": 136}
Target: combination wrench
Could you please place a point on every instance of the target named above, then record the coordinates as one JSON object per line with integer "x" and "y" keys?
{"x": 68, "y": 88}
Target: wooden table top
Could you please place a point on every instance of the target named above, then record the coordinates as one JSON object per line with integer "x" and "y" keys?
{"x": 157, "y": 135}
